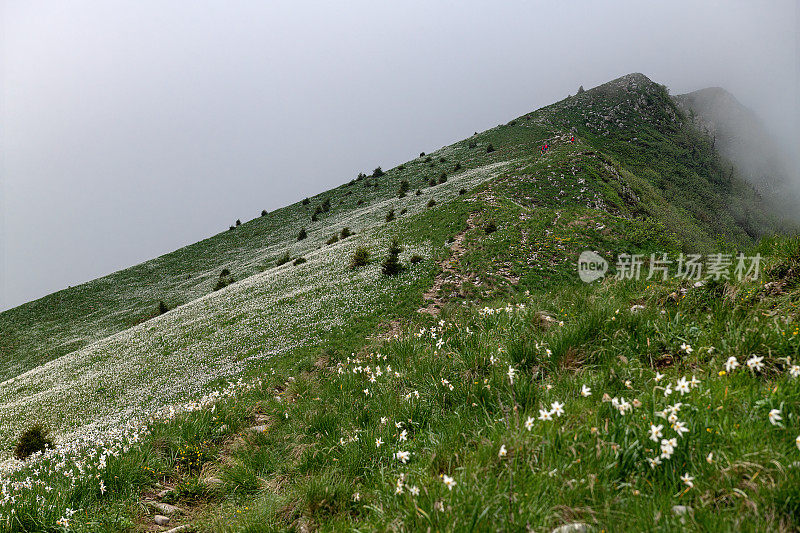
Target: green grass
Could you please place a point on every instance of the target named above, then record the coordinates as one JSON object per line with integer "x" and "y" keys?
{"x": 94, "y": 363}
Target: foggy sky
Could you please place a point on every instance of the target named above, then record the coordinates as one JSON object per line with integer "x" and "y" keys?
{"x": 130, "y": 129}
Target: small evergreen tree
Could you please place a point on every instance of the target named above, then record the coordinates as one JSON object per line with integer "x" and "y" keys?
{"x": 162, "y": 307}
{"x": 238, "y": 222}
{"x": 457, "y": 167}
{"x": 431, "y": 202}
{"x": 443, "y": 178}
{"x": 422, "y": 154}
{"x": 263, "y": 212}
{"x": 491, "y": 227}
{"x": 377, "y": 173}
{"x": 282, "y": 260}
{"x": 345, "y": 233}
{"x": 580, "y": 90}
{"x": 306, "y": 201}
{"x": 432, "y": 182}
{"x": 332, "y": 240}
{"x": 360, "y": 258}
{"x": 391, "y": 266}
{"x": 390, "y": 215}
{"x": 418, "y": 193}
{"x": 225, "y": 272}
{"x": 299, "y": 261}
{"x": 302, "y": 235}
{"x": 489, "y": 149}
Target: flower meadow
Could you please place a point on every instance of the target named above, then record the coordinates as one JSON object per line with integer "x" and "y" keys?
{"x": 490, "y": 418}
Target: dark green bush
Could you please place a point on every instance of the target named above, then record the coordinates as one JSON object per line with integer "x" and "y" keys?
{"x": 416, "y": 258}
{"x": 282, "y": 260}
{"x": 225, "y": 272}
{"x": 32, "y": 440}
{"x": 422, "y": 154}
{"x": 462, "y": 192}
{"x": 489, "y": 149}
{"x": 162, "y": 307}
{"x": 302, "y": 235}
{"x": 391, "y": 266}
{"x": 377, "y": 173}
{"x": 263, "y": 212}
{"x": 432, "y": 182}
{"x": 333, "y": 239}
{"x": 299, "y": 261}
{"x": 360, "y": 258}
{"x": 443, "y": 177}
{"x": 431, "y": 202}
{"x": 491, "y": 227}
{"x": 457, "y": 167}
{"x": 390, "y": 215}
{"x": 345, "y": 233}
{"x": 472, "y": 144}
{"x": 418, "y": 193}
{"x": 306, "y": 201}
{"x": 238, "y": 222}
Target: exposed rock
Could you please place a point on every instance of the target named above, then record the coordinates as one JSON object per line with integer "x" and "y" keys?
{"x": 682, "y": 511}
{"x": 259, "y": 429}
{"x": 213, "y": 482}
{"x": 161, "y": 520}
{"x": 184, "y": 527}
{"x": 165, "y": 508}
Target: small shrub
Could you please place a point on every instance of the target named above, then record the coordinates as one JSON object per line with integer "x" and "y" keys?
{"x": 422, "y": 154}
{"x": 32, "y": 440}
{"x": 282, "y": 260}
{"x": 263, "y": 212}
{"x": 390, "y": 215}
{"x": 360, "y": 202}
{"x": 306, "y": 201}
{"x": 443, "y": 178}
{"x": 333, "y": 240}
{"x": 418, "y": 193}
{"x": 443, "y": 160}
{"x": 462, "y": 192}
{"x": 404, "y": 186}
{"x": 403, "y": 211}
{"x": 432, "y": 182}
{"x": 238, "y": 222}
{"x": 221, "y": 284}
{"x": 231, "y": 228}
{"x": 472, "y": 144}
{"x": 401, "y": 167}
{"x": 225, "y": 272}
{"x": 457, "y": 167}
{"x": 512, "y": 123}
{"x": 401, "y": 193}
{"x": 377, "y": 173}
{"x": 314, "y": 217}
{"x": 162, "y": 307}
{"x": 360, "y": 258}
{"x": 361, "y": 176}
{"x": 416, "y": 258}
{"x": 299, "y": 261}
{"x": 491, "y": 227}
{"x": 428, "y": 159}
{"x": 489, "y": 149}
{"x": 302, "y": 235}
{"x": 326, "y": 205}
{"x": 391, "y": 266}
{"x": 431, "y": 202}
{"x": 345, "y": 233}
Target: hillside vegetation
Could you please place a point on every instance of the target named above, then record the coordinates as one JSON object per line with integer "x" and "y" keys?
{"x": 482, "y": 387}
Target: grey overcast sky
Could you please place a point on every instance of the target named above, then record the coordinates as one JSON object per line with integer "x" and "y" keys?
{"x": 130, "y": 129}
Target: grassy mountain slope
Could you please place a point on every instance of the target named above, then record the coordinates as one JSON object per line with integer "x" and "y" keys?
{"x": 506, "y": 225}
